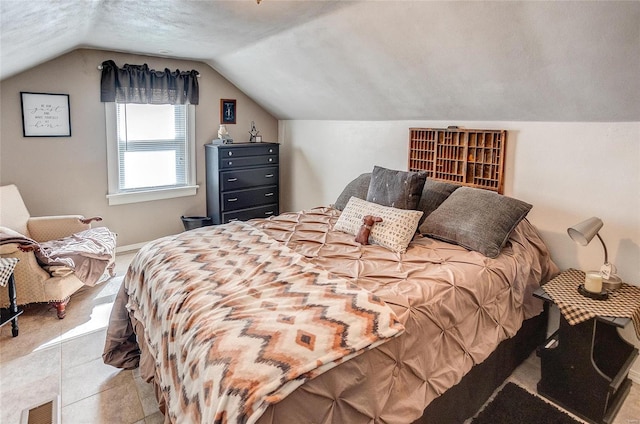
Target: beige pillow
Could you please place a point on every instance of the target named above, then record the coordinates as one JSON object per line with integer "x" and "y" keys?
{"x": 396, "y": 230}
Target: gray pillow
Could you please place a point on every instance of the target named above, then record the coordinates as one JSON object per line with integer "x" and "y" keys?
{"x": 398, "y": 189}
{"x": 476, "y": 219}
{"x": 433, "y": 194}
{"x": 357, "y": 188}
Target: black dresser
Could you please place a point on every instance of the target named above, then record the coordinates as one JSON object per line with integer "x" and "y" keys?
{"x": 242, "y": 181}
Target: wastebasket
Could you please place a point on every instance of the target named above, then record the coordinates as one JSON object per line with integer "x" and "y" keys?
{"x": 191, "y": 222}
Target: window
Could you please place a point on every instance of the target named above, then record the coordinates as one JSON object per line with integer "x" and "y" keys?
{"x": 150, "y": 151}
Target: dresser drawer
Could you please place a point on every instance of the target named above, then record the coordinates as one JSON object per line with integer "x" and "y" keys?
{"x": 241, "y": 199}
{"x": 229, "y": 152}
{"x": 235, "y": 180}
{"x": 239, "y": 162}
{"x": 245, "y": 214}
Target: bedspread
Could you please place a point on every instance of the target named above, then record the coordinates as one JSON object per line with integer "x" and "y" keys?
{"x": 237, "y": 320}
{"x": 456, "y": 306}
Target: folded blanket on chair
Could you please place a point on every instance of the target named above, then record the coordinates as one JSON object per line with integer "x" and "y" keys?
{"x": 9, "y": 236}
{"x": 88, "y": 253}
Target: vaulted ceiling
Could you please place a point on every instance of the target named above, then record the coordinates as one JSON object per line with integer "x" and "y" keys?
{"x": 367, "y": 60}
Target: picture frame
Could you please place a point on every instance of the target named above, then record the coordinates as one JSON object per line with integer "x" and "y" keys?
{"x": 258, "y": 139}
{"x": 227, "y": 111}
{"x": 45, "y": 115}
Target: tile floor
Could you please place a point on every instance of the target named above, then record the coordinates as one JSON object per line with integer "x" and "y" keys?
{"x": 64, "y": 357}
{"x": 53, "y": 357}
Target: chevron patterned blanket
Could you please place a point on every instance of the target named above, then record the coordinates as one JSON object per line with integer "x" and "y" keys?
{"x": 236, "y": 321}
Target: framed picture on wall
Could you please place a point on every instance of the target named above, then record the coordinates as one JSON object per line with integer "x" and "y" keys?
{"x": 45, "y": 115}
{"x": 227, "y": 111}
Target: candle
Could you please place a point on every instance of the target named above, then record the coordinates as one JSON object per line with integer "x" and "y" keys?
{"x": 593, "y": 281}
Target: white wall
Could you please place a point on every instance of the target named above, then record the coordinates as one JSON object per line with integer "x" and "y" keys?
{"x": 568, "y": 171}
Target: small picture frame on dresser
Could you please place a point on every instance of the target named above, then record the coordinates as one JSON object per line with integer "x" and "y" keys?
{"x": 258, "y": 139}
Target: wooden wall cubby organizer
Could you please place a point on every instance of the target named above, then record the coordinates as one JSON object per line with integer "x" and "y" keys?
{"x": 467, "y": 157}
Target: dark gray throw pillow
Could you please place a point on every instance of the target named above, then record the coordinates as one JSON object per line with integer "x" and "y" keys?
{"x": 433, "y": 194}
{"x": 358, "y": 188}
{"x": 398, "y": 189}
{"x": 476, "y": 219}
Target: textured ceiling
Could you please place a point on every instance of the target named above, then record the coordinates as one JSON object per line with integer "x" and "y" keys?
{"x": 374, "y": 60}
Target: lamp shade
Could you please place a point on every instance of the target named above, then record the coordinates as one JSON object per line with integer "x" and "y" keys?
{"x": 583, "y": 232}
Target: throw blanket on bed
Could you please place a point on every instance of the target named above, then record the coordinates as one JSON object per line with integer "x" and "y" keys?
{"x": 87, "y": 253}
{"x": 241, "y": 320}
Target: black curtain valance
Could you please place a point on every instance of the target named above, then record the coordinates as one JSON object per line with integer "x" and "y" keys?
{"x": 139, "y": 84}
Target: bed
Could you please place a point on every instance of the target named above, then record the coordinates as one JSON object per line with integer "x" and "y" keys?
{"x": 446, "y": 324}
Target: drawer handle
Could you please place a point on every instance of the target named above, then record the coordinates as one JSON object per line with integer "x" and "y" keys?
{"x": 231, "y": 180}
{"x": 230, "y": 163}
{"x": 268, "y": 213}
{"x": 230, "y": 153}
{"x": 270, "y": 150}
{"x": 232, "y": 219}
{"x": 270, "y": 159}
{"x": 269, "y": 176}
{"x": 268, "y": 194}
{"x": 235, "y": 199}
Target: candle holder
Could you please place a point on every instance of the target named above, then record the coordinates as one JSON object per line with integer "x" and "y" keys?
{"x": 603, "y": 295}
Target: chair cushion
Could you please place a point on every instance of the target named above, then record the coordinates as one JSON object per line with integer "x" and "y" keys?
{"x": 13, "y": 213}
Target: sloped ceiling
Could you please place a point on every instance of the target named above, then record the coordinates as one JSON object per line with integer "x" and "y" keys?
{"x": 372, "y": 60}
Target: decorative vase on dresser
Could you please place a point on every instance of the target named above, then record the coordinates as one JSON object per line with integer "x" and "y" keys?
{"x": 242, "y": 181}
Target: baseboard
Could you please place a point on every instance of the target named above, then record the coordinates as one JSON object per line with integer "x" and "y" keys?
{"x": 634, "y": 376}
{"x": 130, "y": 247}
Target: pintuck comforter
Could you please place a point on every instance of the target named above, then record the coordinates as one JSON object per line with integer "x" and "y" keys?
{"x": 411, "y": 325}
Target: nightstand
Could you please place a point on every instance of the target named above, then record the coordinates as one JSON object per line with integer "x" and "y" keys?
{"x": 584, "y": 367}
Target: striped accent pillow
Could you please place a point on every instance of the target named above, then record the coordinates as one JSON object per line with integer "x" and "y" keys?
{"x": 396, "y": 230}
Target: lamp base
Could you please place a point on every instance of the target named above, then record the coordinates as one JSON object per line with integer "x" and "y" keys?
{"x": 612, "y": 283}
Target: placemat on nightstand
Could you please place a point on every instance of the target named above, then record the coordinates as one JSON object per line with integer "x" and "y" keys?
{"x": 576, "y": 308}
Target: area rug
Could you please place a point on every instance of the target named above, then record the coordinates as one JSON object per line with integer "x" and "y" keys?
{"x": 514, "y": 405}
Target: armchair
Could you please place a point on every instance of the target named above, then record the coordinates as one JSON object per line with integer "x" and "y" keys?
{"x": 33, "y": 283}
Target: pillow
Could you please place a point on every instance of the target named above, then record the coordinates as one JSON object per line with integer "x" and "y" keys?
{"x": 358, "y": 188}
{"x": 476, "y": 219}
{"x": 398, "y": 189}
{"x": 396, "y": 230}
{"x": 433, "y": 194}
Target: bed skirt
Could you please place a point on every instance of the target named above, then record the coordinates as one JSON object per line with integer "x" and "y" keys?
{"x": 480, "y": 383}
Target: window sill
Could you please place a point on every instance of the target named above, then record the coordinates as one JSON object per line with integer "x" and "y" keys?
{"x": 150, "y": 195}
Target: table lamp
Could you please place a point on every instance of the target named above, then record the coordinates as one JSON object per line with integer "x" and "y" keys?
{"x": 582, "y": 234}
